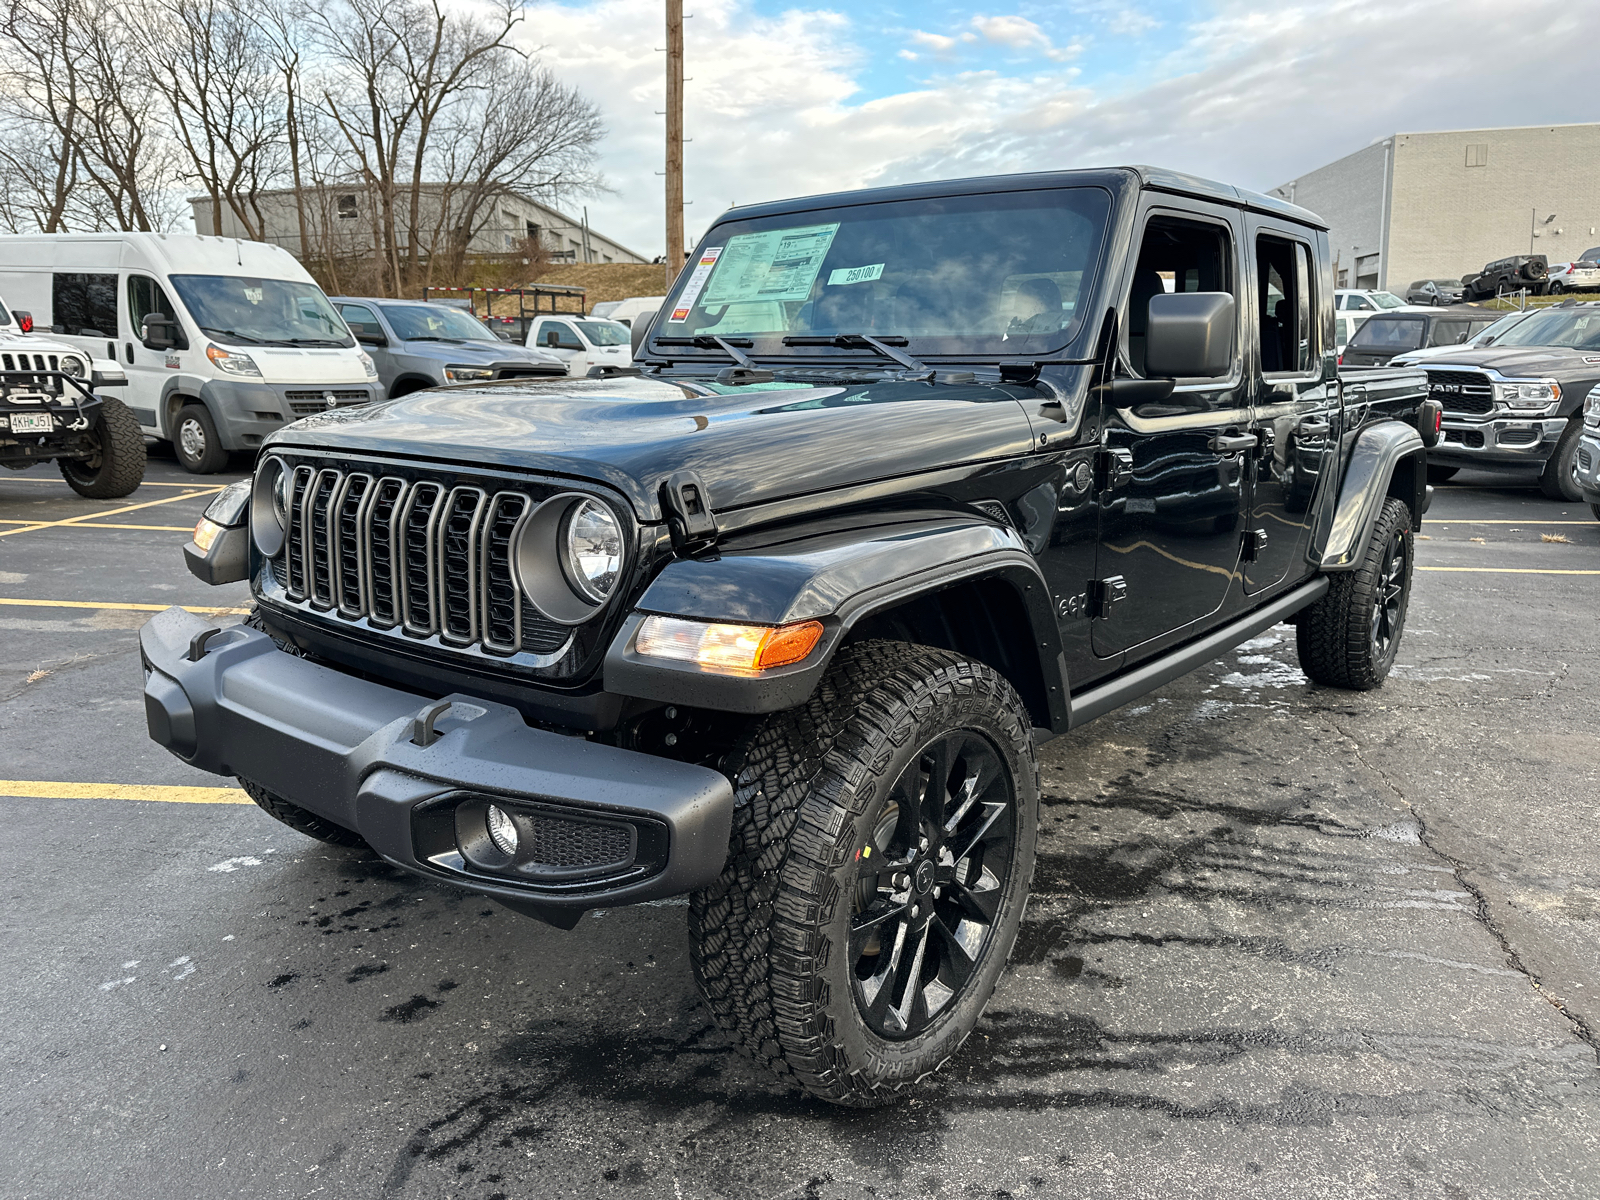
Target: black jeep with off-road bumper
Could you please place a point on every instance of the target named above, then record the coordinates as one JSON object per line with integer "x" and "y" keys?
{"x": 909, "y": 481}
{"x": 49, "y": 411}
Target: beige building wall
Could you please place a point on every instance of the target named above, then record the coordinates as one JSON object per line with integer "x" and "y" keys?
{"x": 1463, "y": 198}
{"x": 1348, "y": 194}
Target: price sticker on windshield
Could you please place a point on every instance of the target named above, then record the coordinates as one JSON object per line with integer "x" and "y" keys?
{"x": 855, "y": 274}
{"x": 697, "y": 281}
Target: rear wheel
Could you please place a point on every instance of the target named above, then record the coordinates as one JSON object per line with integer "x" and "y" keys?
{"x": 1557, "y": 287}
{"x": 882, "y": 850}
{"x": 115, "y": 466}
{"x": 195, "y": 439}
{"x": 1556, "y": 480}
{"x": 1595, "y": 509}
{"x": 1350, "y": 637}
{"x": 1441, "y": 474}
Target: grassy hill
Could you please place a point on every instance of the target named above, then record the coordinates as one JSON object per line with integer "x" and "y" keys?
{"x": 608, "y": 281}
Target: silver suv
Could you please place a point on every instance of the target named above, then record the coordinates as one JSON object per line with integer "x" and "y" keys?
{"x": 419, "y": 345}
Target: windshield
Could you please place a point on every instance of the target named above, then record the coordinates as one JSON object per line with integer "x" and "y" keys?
{"x": 1380, "y": 333}
{"x": 435, "y": 322}
{"x": 238, "y": 310}
{"x": 999, "y": 273}
{"x": 1574, "y": 329}
{"x": 1386, "y": 299}
{"x": 605, "y": 333}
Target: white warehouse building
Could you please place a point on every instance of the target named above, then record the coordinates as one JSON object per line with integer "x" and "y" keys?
{"x": 1440, "y": 205}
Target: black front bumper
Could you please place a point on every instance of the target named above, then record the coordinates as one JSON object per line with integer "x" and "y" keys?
{"x": 364, "y": 756}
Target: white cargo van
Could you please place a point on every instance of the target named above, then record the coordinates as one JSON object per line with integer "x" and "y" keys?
{"x": 223, "y": 341}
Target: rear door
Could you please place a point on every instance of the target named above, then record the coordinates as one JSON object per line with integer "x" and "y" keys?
{"x": 1170, "y": 473}
{"x": 1293, "y": 398}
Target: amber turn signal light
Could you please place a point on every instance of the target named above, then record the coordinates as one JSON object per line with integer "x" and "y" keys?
{"x": 206, "y": 534}
{"x": 729, "y": 647}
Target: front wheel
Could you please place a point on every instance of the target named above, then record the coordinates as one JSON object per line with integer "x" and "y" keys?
{"x": 194, "y": 437}
{"x": 299, "y": 819}
{"x": 115, "y": 466}
{"x": 1556, "y": 480}
{"x": 882, "y": 850}
{"x": 1350, "y": 637}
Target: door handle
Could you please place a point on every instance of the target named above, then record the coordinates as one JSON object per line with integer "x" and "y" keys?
{"x": 128, "y": 350}
{"x": 1314, "y": 428}
{"x": 1233, "y": 443}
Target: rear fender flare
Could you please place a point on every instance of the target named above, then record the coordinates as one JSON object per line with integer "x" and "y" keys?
{"x": 839, "y": 577}
{"x": 1386, "y": 454}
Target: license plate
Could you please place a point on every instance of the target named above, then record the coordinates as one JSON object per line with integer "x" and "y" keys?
{"x": 32, "y": 423}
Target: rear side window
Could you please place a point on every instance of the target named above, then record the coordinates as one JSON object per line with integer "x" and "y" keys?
{"x": 1283, "y": 288}
{"x": 1388, "y": 333}
{"x": 84, "y": 305}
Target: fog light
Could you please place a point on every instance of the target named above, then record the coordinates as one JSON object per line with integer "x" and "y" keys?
{"x": 502, "y": 831}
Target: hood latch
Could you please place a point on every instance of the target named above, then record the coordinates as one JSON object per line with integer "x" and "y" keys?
{"x": 687, "y": 506}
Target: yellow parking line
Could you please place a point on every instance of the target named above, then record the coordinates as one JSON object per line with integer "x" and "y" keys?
{"x": 110, "y": 512}
{"x": 214, "y": 612}
{"x": 1508, "y": 571}
{"x": 1454, "y": 521}
{"x": 44, "y": 790}
{"x": 146, "y": 483}
{"x": 112, "y": 525}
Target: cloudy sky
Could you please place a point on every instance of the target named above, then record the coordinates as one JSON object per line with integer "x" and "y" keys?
{"x": 786, "y": 100}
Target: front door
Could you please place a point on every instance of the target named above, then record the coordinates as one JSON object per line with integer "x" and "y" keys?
{"x": 363, "y": 322}
{"x": 148, "y": 370}
{"x": 1294, "y": 401}
{"x": 1170, "y": 472}
{"x": 565, "y": 345}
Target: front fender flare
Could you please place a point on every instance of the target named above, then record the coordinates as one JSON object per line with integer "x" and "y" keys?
{"x": 1377, "y": 451}
{"x": 835, "y": 576}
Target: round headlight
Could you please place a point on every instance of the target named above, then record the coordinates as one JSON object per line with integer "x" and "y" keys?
{"x": 71, "y": 366}
{"x": 592, "y": 550}
{"x": 269, "y": 506}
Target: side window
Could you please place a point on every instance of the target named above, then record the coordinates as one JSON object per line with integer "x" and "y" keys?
{"x": 1283, "y": 279}
{"x": 1176, "y": 256}
{"x": 84, "y": 305}
{"x": 565, "y": 338}
{"x": 145, "y": 297}
{"x": 362, "y": 320}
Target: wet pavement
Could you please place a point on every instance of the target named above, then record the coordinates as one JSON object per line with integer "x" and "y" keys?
{"x": 1285, "y": 941}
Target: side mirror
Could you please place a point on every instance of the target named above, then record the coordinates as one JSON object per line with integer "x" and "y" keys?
{"x": 158, "y": 332}
{"x": 1190, "y": 335}
{"x": 639, "y": 331}
{"x": 552, "y": 338}
{"x": 372, "y": 339}
{"x": 24, "y": 320}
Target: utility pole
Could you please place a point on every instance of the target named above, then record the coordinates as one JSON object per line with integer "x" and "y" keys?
{"x": 674, "y": 255}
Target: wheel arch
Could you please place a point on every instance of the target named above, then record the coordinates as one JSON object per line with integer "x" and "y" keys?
{"x": 177, "y": 395}
{"x": 404, "y": 385}
{"x": 957, "y": 582}
{"x": 1388, "y": 459}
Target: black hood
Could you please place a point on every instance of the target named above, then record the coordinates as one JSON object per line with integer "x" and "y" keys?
{"x": 749, "y": 444}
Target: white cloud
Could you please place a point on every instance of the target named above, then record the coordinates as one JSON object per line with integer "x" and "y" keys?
{"x": 1252, "y": 98}
{"x": 1019, "y": 33}
{"x": 936, "y": 42}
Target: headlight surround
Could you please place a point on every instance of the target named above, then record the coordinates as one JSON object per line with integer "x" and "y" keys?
{"x": 71, "y": 366}
{"x": 1528, "y": 396}
{"x": 467, "y": 374}
{"x": 367, "y": 365}
{"x": 232, "y": 362}
{"x": 591, "y": 550}
{"x": 1591, "y": 408}
{"x": 269, "y": 506}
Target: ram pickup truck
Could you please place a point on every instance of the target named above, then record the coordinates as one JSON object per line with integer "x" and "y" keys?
{"x": 907, "y": 482}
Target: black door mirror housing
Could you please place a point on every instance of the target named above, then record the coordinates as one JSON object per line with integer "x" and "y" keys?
{"x": 372, "y": 339}
{"x": 158, "y": 332}
{"x": 552, "y": 338}
{"x": 639, "y": 331}
{"x": 1190, "y": 335}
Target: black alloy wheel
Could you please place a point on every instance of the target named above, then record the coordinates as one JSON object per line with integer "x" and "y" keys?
{"x": 1390, "y": 595}
{"x": 928, "y": 893}
{"x": 1350, "y": 637}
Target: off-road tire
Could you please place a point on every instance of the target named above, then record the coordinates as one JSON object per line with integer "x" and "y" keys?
{"x": 770, "y": 939}
{"x": 299, "y": 819}
{"x": 117, "y": 469}
{"x": 1595, "y": 509}
{"x": 1335, "y": 635}
{"x": 1441, "y": 474}
{"x": 1556, "y": 481}
{"x": 201, "y": 454}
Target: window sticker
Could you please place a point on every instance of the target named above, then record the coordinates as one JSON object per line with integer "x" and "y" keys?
{"x": 780, "y": 264}
{"x": 697, "y": 280}
{"x": 855, "y": 274}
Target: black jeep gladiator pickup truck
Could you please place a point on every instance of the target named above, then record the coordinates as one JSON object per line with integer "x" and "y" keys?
{"x": 909, "y": 481}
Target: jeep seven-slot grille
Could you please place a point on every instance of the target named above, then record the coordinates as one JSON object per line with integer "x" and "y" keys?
{"x": 1461, "y": 391}
{"x": 432, "y": 560}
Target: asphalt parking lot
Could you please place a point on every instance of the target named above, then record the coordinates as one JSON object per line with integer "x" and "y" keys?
{"x": 1286, "y": 941}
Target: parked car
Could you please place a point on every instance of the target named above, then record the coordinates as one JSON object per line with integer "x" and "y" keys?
{"x": 584, "y": 346}
{"x": 1586, "y": 463}
{"x": 624, "y": 311}
{"x": 52, "y": 407}
{"x": 1579, "y": 275}
{"x": 780, "y": 623}
{"x": 1518, "y": 402}
{"x": 1520, "y": 272}
{"x": 223, "y": 341}
{"x": 1487, "y": 336}
{"x": 1434, "y": 291}
{"x": 1362, "y": 300}
{"x": 422, "y": 344}
{"x": 1385, "y": 335}
{"x": 1345, "y": 325}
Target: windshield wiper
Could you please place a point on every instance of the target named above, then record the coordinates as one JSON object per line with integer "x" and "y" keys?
{"x": 315, "y": 342}
{"x": 243, "y": 337}
{"x": 746, "y": 370}
{"x": 861, "y": 341}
